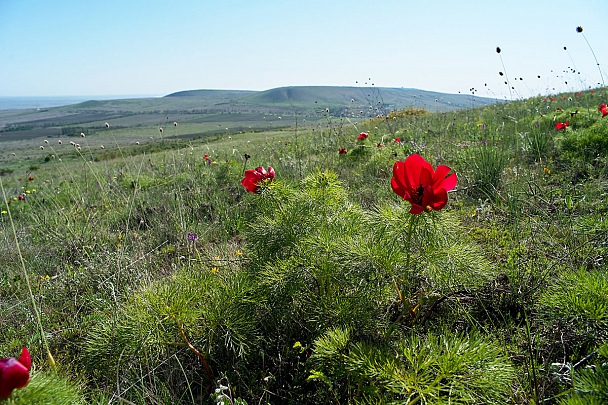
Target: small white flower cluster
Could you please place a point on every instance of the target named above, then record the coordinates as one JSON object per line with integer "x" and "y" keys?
{"x": 220, "y": 396}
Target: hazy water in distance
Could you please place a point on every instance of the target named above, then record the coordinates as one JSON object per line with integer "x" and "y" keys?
{"x": 22, "y": 103}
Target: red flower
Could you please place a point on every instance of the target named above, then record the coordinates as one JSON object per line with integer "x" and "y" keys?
{"x": 398, "y": 140}
{"x": 362, "y": 136}
{"x": 21, "y": 197}
{"x": 562, "y": 125}
{"x": 424, "y": 187}
{"x": 591, "y": 91}
{"x": 30, "y": 178}
{"x": 342, "y": 151}
{"x": 255, "y": 176}
{"x": 14, "y": 373}
{"x": 603, "y": 109}
{"x": 552, "y": 98}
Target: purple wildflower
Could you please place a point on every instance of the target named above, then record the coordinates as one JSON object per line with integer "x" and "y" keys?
{"x": 192, "y": 237}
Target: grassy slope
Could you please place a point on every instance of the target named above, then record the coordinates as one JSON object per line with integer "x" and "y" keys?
{"x": 510, "y": 276}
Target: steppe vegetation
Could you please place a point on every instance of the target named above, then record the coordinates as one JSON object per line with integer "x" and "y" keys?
{"x": 147, "y": 274}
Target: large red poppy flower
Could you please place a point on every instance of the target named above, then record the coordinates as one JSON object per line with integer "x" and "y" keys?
{"x": 603, "y": 109}
{"x": 562, "y": 125}
{"x": 255, "y": 176}
{"x": 14, "y": 373}
{"x": 362, "y": 136}
{"x": 424, "y": 187}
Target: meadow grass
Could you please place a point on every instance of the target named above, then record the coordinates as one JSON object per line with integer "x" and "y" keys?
{"x": 158, "y": 279}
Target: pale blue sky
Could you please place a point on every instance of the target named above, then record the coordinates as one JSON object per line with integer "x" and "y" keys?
{"x": 87, "y": 47}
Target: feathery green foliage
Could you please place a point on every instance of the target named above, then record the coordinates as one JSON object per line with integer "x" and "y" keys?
{"x": 432, "y": 369}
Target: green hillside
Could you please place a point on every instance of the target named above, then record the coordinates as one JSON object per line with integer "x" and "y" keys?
{"x": 208, "y": 111}
{"x": 432, "y": 258}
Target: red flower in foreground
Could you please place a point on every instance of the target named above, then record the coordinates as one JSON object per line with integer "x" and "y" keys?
{"x": 14, "y": 373}
{"x": 342, "y": 151}
{"x": 398, "y": 140}
{"x": 255, "y": 176}
{"x": 30, "y": 178}
{"x": 562, "y": 125}
{"x": 424, "y": 187}
{"x": 362, "y": 136}
{"x": 603, "y": 109}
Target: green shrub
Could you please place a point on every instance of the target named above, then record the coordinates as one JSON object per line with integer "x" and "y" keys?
{"x": 47, "y": 388}
{"x": 442, "y": 367}
{"x": 587, "y": 143}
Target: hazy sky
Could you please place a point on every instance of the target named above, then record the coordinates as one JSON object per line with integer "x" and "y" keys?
{"x": 87, "y": 47}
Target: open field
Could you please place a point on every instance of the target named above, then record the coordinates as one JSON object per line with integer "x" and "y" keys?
{"x": 139, "y": 270}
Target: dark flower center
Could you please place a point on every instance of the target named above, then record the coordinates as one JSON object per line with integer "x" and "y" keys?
{"x": 417, "y": 196}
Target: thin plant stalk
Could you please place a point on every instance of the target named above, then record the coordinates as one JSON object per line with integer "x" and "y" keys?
{"x": 580, "y": 31}
{"x": 506, "y": 75}
{"x": 27, "y": 281}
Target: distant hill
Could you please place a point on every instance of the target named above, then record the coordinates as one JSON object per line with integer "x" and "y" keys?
{"x": 303, "y": 97}
{"x": 212, "y": 94}
{"x": 240, "y": 109}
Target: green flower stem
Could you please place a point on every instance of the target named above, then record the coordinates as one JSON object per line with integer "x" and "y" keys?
{"x": 194, "y": 349}
{"x": 407, "y": 307}
{"x": 408, "y": 241}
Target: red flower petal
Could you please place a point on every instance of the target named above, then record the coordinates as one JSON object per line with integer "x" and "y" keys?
{"x": 440, "y": 181}
{"x": 398, "y": 188}
{"x": 418, "y": 171}
{"x": 440, "y": 199}
{"x": 416, "y": 209}
{"x": 271, "y": 173}
{"x": 25, "y": 358}
{"x": 398, "y": 180}
{"x": 13, "y": 375}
